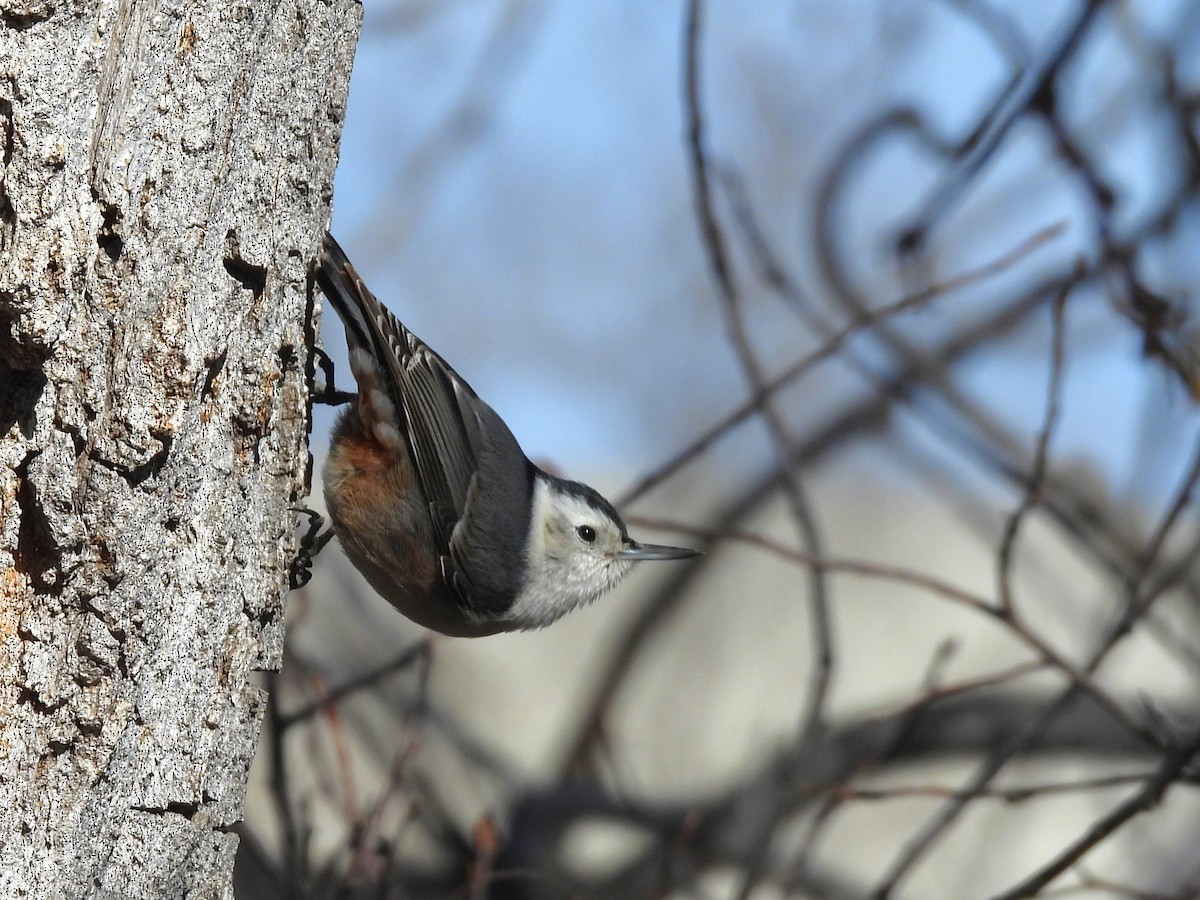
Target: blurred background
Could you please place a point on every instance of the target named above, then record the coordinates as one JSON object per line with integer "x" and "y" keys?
{"x": 889, "y": 305}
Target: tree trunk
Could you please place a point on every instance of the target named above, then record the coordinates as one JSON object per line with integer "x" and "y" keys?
{"x": 165, "y": 176}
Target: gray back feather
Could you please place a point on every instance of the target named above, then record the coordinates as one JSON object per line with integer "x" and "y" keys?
{"x": 475, "y": 479}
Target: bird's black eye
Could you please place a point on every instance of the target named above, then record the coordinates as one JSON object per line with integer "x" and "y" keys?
{"x": 586, "y": 533}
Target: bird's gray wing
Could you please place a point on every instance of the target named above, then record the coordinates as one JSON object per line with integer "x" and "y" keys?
{"x": 445, "y": 448}
{"x": 489, "y": 542}
{"x": 472, "y": 472}
{"x": 477, "y": 479}
{"x": 426, "y": 394}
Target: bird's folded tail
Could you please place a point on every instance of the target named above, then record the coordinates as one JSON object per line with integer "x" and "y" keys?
{"x": 344, "y": 288}
{"x": 372, "y": 357}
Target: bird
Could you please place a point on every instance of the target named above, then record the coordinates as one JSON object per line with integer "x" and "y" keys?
{"x": 433, "y": 500}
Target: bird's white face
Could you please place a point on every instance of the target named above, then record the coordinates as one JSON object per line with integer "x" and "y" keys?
{"x": 574, "y": 555}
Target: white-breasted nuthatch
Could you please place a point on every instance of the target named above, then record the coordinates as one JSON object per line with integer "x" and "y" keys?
{"x": 436, "y": 504}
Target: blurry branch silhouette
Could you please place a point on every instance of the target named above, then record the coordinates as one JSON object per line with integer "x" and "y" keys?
{"x": 946, "y": 723}
{"x": 857, "y": 420}
{"x": 862, "y": 322}
{"x": 1173, "y": 764}
{"x": 1004, "y": 555}
{"x": 1029, "y": 89}
{"x": 1000, "y": 611}
{"x": 1050, "y": 700}
{"x": 365, "y": 681}
{"x": 1039, "y": 100}
{"x": 293, "y": 869}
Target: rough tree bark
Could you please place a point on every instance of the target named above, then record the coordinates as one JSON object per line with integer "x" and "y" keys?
{"x": 165, "y": 175}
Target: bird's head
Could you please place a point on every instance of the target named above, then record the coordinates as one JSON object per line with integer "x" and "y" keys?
{"x": 578, "y": 549}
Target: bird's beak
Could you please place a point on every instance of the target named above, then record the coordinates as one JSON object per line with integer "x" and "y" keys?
{"x": 634, "y": 551}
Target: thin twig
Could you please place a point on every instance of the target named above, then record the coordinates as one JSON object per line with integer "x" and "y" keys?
{"x": 1173, "y": 763}
{"x": 295, "y": 858}
{"x": 1038, "y": 473}
{"x": 859, "y": 323}
{"x": 718, "y": 258}
{"x": 370, "y": 679}
{"x": 849, "y": 423}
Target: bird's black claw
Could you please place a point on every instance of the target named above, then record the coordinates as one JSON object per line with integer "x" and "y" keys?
{"x": 310, "y": 545}
{"x": 327, "y": 395}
